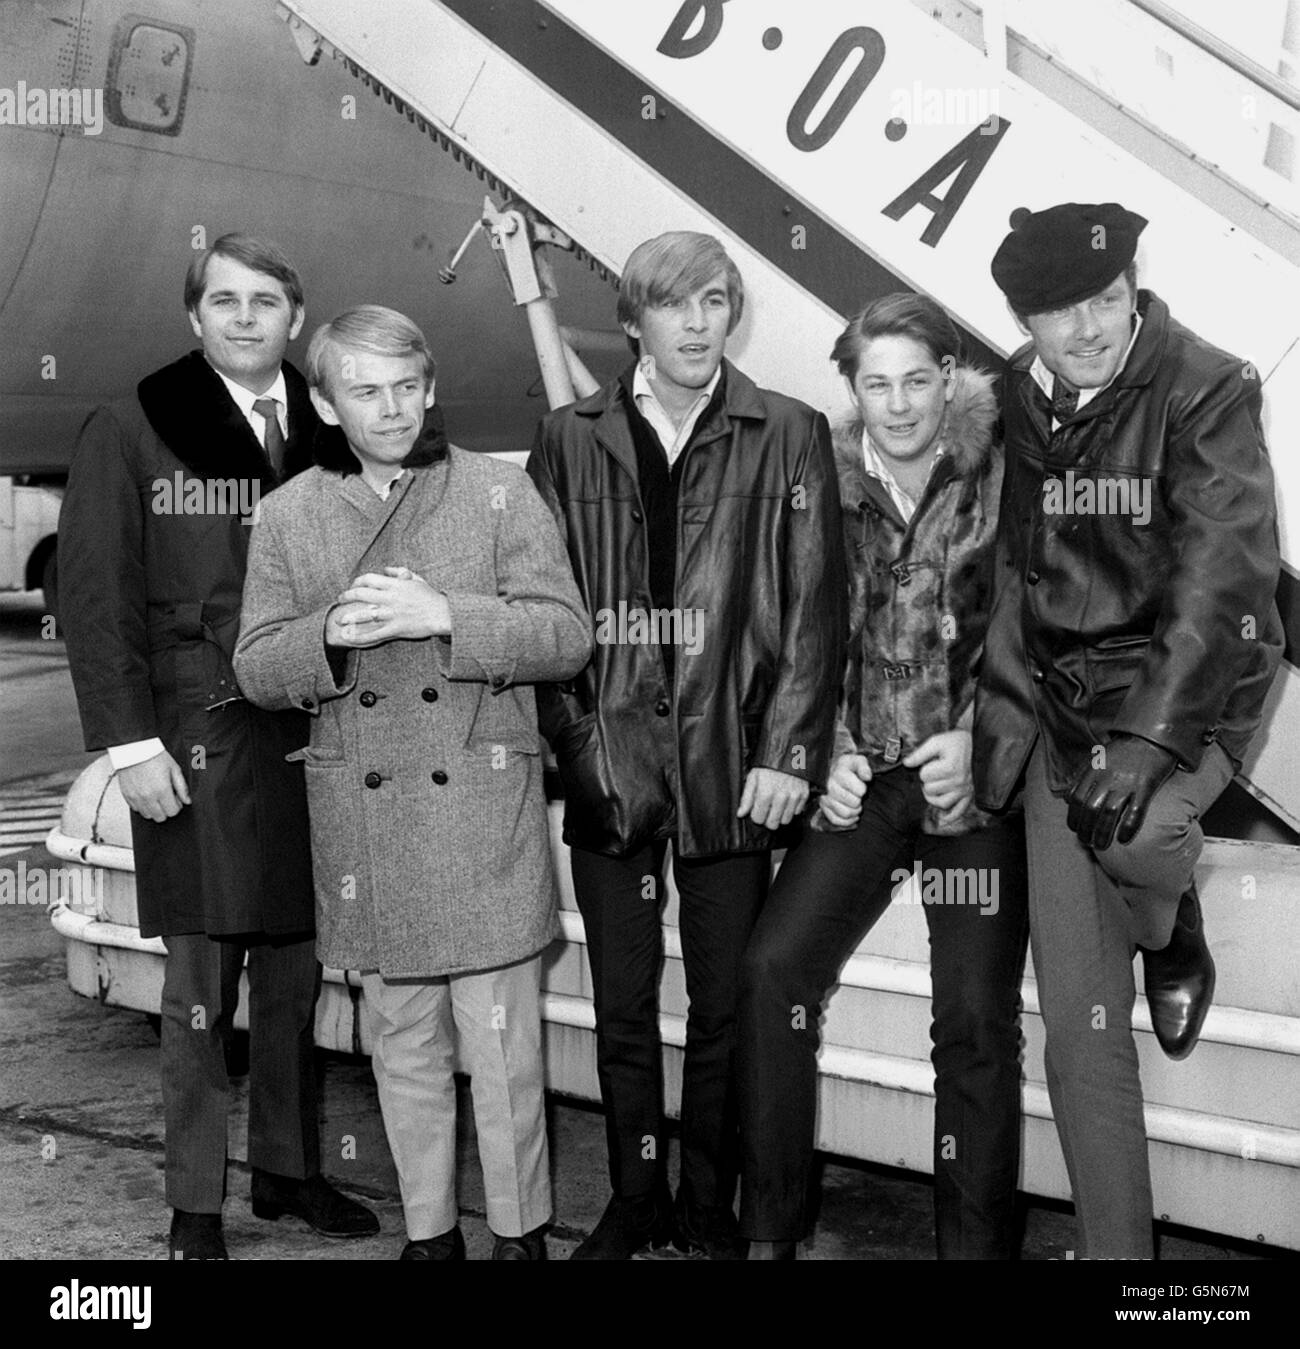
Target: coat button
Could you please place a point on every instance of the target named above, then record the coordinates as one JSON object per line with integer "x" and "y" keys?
{"x": 307, "y": 704}
{"x": 372, "y": 780}
{"x": 636, "y": 515}
{"x": 1210, "y": 736}
{"x": 367, "y": 699}
{"x": 1037, "y": 675}
{"x": 663, "y": 707}
{"x": 429, "y": 695}
{"x": 440, "y": 778}
{"x": 1033, "y": 578}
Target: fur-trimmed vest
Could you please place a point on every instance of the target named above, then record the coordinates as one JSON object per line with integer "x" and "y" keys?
{"x": 919, "y": 593}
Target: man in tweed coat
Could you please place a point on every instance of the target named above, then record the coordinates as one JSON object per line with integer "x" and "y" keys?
{"x": 406, "y": 595}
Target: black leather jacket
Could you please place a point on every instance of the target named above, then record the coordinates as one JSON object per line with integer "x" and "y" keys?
{"x": 1105, "y": 622}
{"x": 759, "y": 559}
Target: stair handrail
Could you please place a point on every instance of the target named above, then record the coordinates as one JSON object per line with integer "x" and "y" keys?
{"x": 1221, "y": 51}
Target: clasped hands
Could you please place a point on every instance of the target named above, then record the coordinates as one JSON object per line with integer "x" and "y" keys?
{"x": 379, "y": 608}
{"x": 944, "y": 761}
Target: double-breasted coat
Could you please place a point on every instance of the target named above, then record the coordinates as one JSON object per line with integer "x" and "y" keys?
{"x": 153, "y": 539}
{"x": 430, "y": 839}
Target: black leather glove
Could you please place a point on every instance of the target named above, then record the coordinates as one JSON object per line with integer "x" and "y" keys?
{"x": 1118, "y": 794}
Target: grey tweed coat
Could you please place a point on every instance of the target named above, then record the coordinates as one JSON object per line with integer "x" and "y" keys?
{"x": 430, "y": 843}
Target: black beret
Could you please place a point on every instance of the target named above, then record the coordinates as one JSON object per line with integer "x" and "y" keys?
{"x": 1062, "y": 255}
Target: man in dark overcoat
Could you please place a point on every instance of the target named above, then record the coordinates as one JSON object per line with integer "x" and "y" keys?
{"x": 1132, "y": 641}
{"x": 152, "y": 548}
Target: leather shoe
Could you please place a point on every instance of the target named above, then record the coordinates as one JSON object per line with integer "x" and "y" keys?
{"x": 448, "y": 1246}
{"x": 626, "y": 1227}
{"x": 315, "y": 1201}
{"x": 1179, "y": 981}
{"x": 196, "y": 1236}
{"x": 531, "y": 1246}
{"x": 709, "y": 1231}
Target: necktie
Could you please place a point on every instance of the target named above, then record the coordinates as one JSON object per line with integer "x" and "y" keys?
{"x": 1064, "y": 399}
{"x": 267, "y": 409}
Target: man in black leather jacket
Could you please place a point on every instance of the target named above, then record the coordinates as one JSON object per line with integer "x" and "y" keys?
{"x": 1133, "y": 639}
{"x": 701, "y": 516}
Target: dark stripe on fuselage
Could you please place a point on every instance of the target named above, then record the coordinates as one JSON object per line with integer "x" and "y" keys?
{"x": 753, "y": 206}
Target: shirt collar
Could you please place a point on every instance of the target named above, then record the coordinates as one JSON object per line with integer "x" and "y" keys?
{"x": 642, "y": 388}
{"x": 877, "y": 467}
{"x": 245, "y": 398}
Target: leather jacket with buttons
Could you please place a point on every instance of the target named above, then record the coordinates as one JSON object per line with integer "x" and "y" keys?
{"x": 760, "y": 570}
{"x": 1137, "y": 564}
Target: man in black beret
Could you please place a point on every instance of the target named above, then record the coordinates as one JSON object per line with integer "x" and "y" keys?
{"x": 1132, "y": 641}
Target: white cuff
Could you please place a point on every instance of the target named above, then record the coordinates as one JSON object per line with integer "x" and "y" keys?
{"x": 127, "y": 756}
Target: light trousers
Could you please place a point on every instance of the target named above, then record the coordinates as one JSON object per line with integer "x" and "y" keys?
{"x": 415, "y": 1025}
{"x": 1088, "y": 911}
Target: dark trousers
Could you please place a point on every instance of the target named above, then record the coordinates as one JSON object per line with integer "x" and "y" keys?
{"x": 200, "y": 994}
{"x": 830, "y": 890}
{"x": 620, "y": 900}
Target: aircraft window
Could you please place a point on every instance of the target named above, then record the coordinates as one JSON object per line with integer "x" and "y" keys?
{"x": 148, "y": 76}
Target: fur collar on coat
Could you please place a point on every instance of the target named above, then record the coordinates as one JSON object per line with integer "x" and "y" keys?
{"x": 192, "y": 413}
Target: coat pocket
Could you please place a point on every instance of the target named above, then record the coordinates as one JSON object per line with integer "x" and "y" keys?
{"x": 205, "y": 678}
{"x": 311, "y": 754}
{"x": 1116, "y": 667}
{"x": 507, "y": 720}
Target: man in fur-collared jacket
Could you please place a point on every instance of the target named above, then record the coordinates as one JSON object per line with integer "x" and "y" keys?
{"x": 919, "y": 481}
{"x": 152, "y": 548}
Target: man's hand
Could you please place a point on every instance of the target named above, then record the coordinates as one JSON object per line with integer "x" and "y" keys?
{"x": 350, "y": 625}
{"x": 396, "y": 605}
{"x": 841, "y": 802}
{"x": 155, "y": 789}
{"x": 1119, "y": 793}
{"x": 772, "y": 798}
{"x": 946, "y": 783}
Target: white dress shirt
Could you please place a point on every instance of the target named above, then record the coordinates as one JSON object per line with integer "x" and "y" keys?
{"x": 877, "y": 467}
{"x": 672, "y": 438}
{"x": 127, "y": 756}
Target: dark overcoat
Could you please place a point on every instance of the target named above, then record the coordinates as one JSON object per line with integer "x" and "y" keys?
{"x": 429, "y": 826}
{"x": 152, "y": 549}
{"x": 1137, "y": 564}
